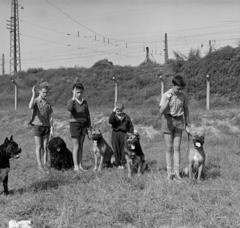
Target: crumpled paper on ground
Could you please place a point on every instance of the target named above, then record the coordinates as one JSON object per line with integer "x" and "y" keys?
{"x": 20, "y": 224}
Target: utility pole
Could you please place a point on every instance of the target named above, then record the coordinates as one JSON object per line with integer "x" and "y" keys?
{"x": 166, "y": 48}
{"x": 13, "y": 26}
{"x": 3, "y": 67}
{"x": 147, "y": 55}
{"x": 210, "y": 46}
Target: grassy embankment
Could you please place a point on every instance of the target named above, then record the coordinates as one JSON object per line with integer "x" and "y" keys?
{"x": 109, "y": 198}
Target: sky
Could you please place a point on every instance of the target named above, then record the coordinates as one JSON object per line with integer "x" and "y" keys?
{"x": 78, "y": 33}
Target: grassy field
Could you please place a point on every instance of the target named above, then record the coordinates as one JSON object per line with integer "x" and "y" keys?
{"x": 109, "y": 198}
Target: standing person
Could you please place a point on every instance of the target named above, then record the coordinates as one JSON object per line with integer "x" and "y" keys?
{"x": 121, "y": 124}
{"x": 79, "y": 123}
{"x": 174, "y": 114}
{"x": 42, "y": 123}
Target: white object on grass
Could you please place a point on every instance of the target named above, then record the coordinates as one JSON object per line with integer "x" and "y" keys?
{"x": 20, "y": 224}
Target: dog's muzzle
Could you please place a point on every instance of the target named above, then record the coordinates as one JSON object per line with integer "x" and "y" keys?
{"x": 16, "y": 153}
{"x": 96, "y": 136}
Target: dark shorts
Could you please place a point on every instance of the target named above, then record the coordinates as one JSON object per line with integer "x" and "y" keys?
{"x": 78, "y": 129}
{"x": 171, "y": 124}
{"x": 41, "y": 131}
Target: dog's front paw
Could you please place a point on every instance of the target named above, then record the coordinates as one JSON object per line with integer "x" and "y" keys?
{"x": 6, "y": 192}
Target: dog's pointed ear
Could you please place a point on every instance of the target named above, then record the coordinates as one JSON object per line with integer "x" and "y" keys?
{"x": 195, "y": 133}
{"x": 137, "y": 134}
{"x": 6, "y": 141}
{"x": 127, "y": 135}
{"x": 11, "y": 138}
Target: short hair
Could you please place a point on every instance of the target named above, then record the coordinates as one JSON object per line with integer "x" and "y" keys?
{"x": 119, "y": 106}
{"x": 178, "y": 81}
{"x": 44, "y": 85}
{"x": 78, "y": 86}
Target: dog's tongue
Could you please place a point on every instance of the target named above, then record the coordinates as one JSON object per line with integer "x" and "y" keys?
{"x": 132, "y": 147}
{"x": 198, "y": 144}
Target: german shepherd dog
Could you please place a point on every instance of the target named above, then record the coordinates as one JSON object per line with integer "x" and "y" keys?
{"x": 101, "y": 149}
{"x": 134, "y": 155}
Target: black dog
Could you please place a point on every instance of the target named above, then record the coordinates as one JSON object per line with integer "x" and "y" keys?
{"x": 61, "y": 156}
{"x": 9, "y": 149}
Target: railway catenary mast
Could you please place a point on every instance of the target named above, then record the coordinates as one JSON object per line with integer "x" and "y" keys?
{"x": 13, "y": 26}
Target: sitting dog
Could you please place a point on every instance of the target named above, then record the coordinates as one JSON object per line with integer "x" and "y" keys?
{"x": 134, "y": 155}
{"x": 196, "y": 156}
{"x": 60, "y": 155}
{"x": 9, "y": 149}
{"x": 101, "y": 149}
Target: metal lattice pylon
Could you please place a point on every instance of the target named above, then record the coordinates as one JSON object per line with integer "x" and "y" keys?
{"x": 15, "y": 60}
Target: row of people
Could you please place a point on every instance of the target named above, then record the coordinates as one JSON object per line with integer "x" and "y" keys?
{"x": 173, "y": 112}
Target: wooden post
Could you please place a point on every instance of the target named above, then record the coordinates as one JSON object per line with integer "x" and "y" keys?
{"x": 162, "y": 85}
{"x": 166, "y": 48}
{"x": 116, "y": 89}
{"x": 161, "y": 81}
{"x": 3, "y": 67}
{"x": 16, "y": 93}
{"x": 208, "y": 92}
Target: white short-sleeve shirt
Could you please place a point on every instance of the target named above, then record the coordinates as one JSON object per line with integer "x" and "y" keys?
{"x": 177, "y": 103}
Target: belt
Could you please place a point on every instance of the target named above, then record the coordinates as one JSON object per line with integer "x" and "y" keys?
{"x": 173, "y": 116}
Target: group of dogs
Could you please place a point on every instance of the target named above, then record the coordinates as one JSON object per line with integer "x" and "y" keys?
{"x": 61, "y": 156}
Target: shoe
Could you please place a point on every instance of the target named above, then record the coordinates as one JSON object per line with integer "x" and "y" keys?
{"x": 82, "y": 169}
{"x": 47, "y": 169}
{"x": 41, "y": 171}
{"x": 115, "y": 164}
{"x": 177, "y": 178}
{"x": 170, "y": 177}
{"x": 120, "y": 167}
{"x": 76, "y": 170}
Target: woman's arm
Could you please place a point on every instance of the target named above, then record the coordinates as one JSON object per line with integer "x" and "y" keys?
{"x": 51, "y": 125}
{"x": 164, "y": 103}
{"x": 70, "y": 105}
{"x": 31, "y": 103}
{"x": 112, "y": 117}
{"x": 186, "y": 115}
{"x": 88, "y": 116}
{"x": 131, "y": 128}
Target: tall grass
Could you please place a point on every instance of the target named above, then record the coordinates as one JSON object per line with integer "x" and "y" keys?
{"x": 109, "y": 198}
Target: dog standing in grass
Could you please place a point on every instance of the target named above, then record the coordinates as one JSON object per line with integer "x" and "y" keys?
{"x": 9, "y": 149}
{"x": 101, "y": 149}
{"x": 196, "y": 155}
